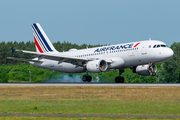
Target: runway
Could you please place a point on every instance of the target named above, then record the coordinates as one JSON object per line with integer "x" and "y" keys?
{"x": 90, "y": 84}
{"x": 86, "y": 115}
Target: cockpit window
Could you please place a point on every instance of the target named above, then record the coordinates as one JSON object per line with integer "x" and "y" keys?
{"x": 157, "y": 46}
{"x": 163, "y": 45}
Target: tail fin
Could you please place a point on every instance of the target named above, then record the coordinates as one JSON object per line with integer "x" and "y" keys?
{"x": 42, "y": 42}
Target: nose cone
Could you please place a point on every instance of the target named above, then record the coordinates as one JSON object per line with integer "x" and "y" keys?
{"x": 169, "y": 53}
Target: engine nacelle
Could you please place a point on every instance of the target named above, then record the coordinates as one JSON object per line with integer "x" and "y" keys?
{"x": 97, "y": 66}
{"x": 146, "y": 70}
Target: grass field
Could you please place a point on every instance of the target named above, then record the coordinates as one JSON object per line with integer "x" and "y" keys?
{"x": 90, "y": 100}
{"x": 78, "y": 118}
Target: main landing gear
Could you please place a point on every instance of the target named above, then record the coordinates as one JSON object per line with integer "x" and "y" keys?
{"x": 120, "y": 79}
{"x": 86, "y": 77}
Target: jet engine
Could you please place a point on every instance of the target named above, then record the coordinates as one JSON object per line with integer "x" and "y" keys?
{"x": 97, "y": 66}
{"x": 146, "y": 70}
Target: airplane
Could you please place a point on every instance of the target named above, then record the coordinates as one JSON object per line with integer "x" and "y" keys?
{"x": 140, "y": 56}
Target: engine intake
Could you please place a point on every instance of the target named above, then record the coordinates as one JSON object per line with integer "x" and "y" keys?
{"x": 97, "y": 66}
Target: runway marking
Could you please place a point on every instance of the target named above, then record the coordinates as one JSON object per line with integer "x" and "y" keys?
{"x": 86, "y": 115}
{"x": 92, "y": 84}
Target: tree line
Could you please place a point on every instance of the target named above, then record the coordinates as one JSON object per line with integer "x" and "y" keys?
{"x": 5, "y": 49}
{"x": 16, "y": 71}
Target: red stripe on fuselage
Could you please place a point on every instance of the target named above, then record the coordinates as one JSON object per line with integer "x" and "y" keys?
{"x": 38, "y": 46}
{"x": 137, "y": 44}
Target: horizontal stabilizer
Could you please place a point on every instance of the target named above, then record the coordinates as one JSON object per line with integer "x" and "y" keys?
{"x": 13, "y": 50}
{"x": 22, "y": 59}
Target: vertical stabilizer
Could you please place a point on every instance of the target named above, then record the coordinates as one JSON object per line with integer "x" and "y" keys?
{"x": 42, "y": 42}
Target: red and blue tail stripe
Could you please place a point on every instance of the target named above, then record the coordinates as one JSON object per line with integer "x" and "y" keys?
{"x": 42, "y": 42}
{"x": 38, "y": 46}
{"x": 39, "y": 43}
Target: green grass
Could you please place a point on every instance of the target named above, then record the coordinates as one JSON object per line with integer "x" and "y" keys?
{"x": 89, "y": 100}
{"x": 79, "y": 118}
{"x": 109, "y": 107}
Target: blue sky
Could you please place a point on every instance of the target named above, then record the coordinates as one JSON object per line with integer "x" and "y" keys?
{"x": 92, "y": 21}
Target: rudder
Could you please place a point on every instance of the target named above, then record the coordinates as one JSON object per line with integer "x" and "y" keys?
{"x": 42, "y": 42}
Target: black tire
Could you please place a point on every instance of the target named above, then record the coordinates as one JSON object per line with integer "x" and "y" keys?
{"x": 84, "y": 78}
{"x": 121, "y": 80}
{"x": 117, "y": 80}
{"x": 89, "y": 78}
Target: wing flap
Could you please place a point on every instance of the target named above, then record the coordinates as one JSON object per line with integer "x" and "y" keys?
{"x": 23, "y": 59}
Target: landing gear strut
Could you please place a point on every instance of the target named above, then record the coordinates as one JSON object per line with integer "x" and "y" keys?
{"x": 120, "y": 79}
{"x": 86, "y": 77}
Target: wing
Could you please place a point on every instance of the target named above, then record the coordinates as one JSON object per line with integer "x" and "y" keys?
{"x": 58, "y": 57}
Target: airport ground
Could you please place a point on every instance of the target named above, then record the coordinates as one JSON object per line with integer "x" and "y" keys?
{"x": 79, "y": 118}
{"x": 89, "y": 100}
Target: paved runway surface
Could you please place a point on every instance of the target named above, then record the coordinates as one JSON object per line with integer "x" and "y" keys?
{"x": 86, "y": 115}
{"x": 90, "y": 84}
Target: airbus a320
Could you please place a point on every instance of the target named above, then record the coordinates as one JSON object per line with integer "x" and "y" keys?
{"x": 140, "y": 56}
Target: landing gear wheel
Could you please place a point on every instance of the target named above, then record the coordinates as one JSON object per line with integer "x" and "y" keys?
{"x": 84, "y": 78}
{"x": 119, "y": 80}
{"x": 87, "y": 78}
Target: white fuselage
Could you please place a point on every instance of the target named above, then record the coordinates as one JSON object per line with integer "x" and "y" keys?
{"x": 123, "y": 56}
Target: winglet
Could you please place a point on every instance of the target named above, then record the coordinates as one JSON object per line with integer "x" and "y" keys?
{"x": 13, "y": 50}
